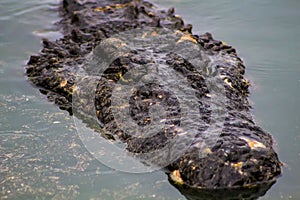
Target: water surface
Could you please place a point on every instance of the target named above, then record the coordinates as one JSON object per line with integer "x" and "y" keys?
{"x": 41, "y": 155}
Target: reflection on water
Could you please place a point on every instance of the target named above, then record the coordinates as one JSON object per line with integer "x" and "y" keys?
{"x": 41, "y": 154}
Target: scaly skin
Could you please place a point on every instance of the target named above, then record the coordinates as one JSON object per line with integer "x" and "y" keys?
{"x": 242, "y": 157}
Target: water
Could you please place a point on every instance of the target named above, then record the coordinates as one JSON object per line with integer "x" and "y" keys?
{"x": 41, "y": 155}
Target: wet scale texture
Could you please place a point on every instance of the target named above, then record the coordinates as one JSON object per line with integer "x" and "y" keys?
{"x": 242, "y": 157}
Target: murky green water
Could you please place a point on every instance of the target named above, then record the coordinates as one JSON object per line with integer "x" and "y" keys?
{"x": 41, "y": 155}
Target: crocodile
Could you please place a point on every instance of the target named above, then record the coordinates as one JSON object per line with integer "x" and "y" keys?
{"x": 241, "y": 162}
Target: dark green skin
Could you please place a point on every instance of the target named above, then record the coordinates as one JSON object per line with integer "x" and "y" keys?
{"x": 84, "y": 29}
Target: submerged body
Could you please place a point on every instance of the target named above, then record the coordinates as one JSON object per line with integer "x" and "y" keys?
{"x": 242, "y": 155}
